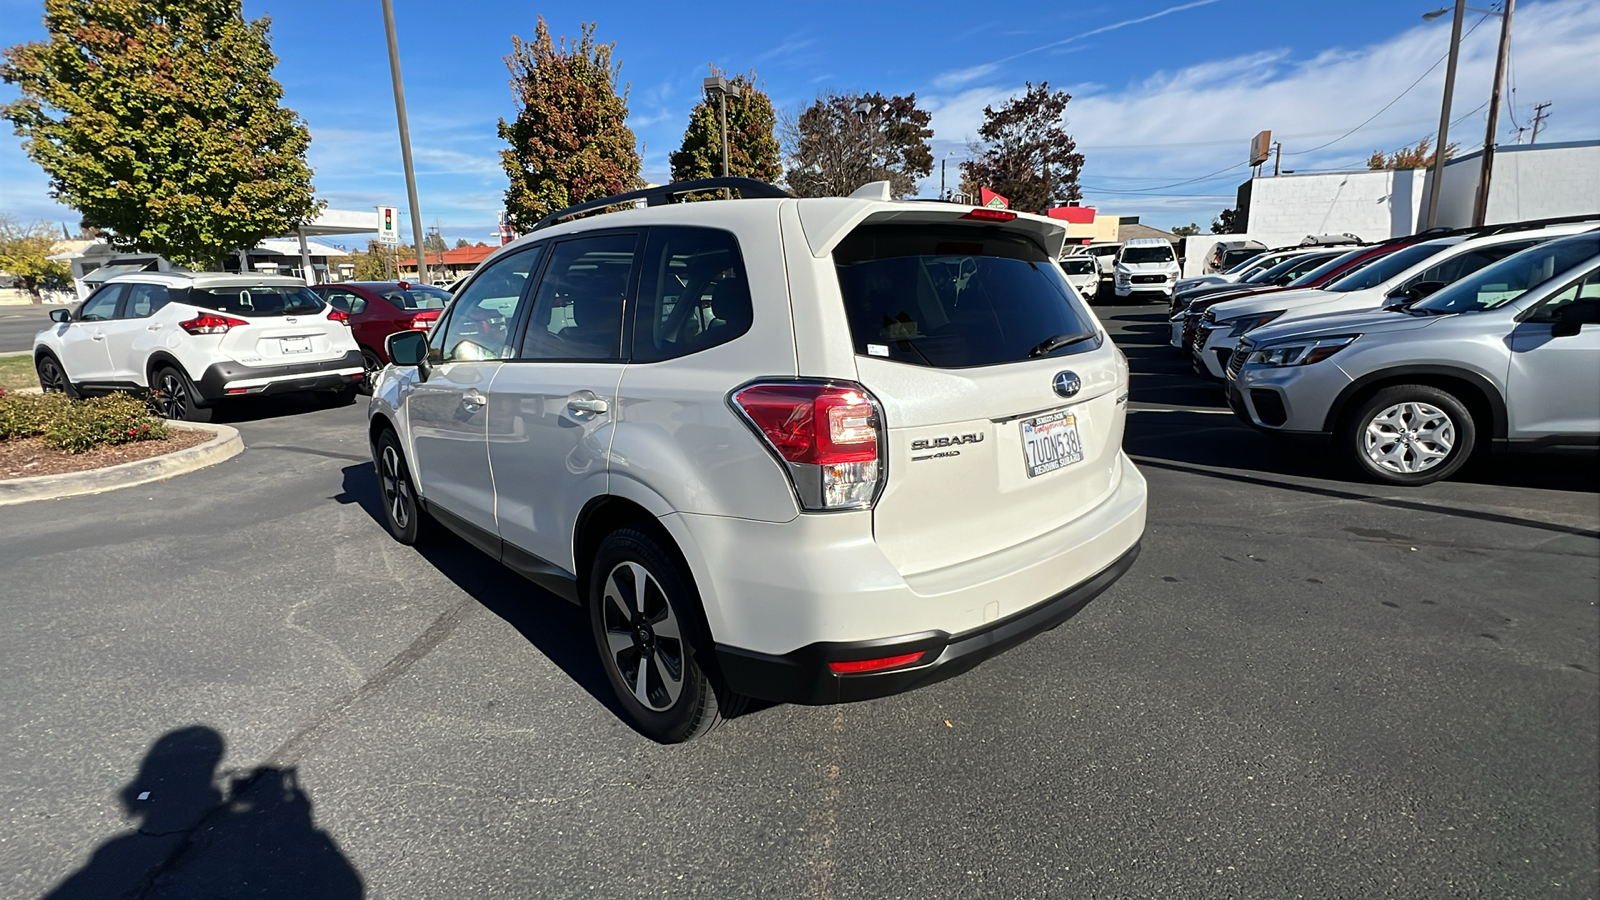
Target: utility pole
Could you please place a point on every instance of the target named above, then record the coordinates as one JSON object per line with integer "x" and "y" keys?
{"x": 1444, "y": 116}
{"x": 1539, "y": 115}
{"x": 1277, "y": 158}
{"x": 1480, "y": 207}
{"x": 405, "y": 143}
{"x": 942, "y": 195}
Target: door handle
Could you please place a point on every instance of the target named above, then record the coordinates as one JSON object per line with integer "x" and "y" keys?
{"x": 156, "y": 327}
{"x": 97, "y": 337}
{"x": 473, "y": 401}
{"x": 588, "y": 406}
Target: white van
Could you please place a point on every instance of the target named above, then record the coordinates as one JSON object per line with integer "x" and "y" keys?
{"x": 1146, "y": 266}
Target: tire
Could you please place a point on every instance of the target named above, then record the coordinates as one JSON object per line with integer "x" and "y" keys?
{"x": 661, "y": 638}
{"x": 338, "y": 397}
{"x": 408, "y": 522}
{"x": 1409, "y": 434}
{"x": 372, "y": 366}
{"x": 53, "y": 376}
{"x": 175, "y": 396}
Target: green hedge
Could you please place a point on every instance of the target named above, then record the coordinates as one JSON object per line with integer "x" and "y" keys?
{"x": 78, "y": 425}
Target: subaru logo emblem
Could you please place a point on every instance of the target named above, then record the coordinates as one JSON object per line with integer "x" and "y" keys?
{"x": 1067, "y": 384}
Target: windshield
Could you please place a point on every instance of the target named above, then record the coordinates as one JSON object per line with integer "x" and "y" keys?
{"x": 1078, "y": 265}
{"x": 254, "y": 300}
{"x": 954, "y": 296}
{"x": 1135, "y": 255}
{"x": 1495, "y": 286}
{"x": 419, "y": 297}
{"x": 1332, "y": 265}
{"x": 1266, "y": 276}
{"x": 1386, "y": 267}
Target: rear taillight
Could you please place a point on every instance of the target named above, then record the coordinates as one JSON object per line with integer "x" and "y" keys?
{"x": 424, "y": 322}
{"x": 829, "y": 436}
{"x": 339, "y": 315}
{"x": 210, "y": 323}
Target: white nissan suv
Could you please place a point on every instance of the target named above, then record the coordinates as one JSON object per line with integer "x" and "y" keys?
{"x": 196, "y": 339}
{"x": 809, "y": 451}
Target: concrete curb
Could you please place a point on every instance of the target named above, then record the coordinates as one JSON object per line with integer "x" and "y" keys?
{"x": 225, "y": 444}
{"x": 17, "y": 353}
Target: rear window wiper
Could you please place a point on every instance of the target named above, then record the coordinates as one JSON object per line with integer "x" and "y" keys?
{"x": 1050, "y": 345}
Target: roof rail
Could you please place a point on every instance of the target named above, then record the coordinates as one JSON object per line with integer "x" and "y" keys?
{"x": 661, "y": 195}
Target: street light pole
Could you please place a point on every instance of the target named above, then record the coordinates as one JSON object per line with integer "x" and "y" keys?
{"x": 405, "y": 143}
{"x": 1480, "y": 206}
{"x": 1444, "y": 115}
{"x": 722, "y": 89}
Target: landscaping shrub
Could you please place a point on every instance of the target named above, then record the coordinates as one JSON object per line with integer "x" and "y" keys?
{"x": 74, "y": 426}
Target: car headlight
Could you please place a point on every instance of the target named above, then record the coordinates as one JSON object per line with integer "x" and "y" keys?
{"x": 1300, "y": 353}
{"x": 1250, "y": 323}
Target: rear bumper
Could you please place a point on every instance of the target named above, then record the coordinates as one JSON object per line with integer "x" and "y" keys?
{"x": 803, "y": 676}
{"x": 221, "y": 378}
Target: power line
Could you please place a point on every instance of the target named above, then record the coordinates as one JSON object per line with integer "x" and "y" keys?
{"x": 1161, "y": 187}
{"x": 1395, "y": 100}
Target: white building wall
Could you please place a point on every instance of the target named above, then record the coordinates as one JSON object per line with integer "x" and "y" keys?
{"x": 1371, "y": 204}
{"x": 1540, "y": 181}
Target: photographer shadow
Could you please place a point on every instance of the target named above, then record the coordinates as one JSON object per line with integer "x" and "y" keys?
{"x": 253, "y": 837}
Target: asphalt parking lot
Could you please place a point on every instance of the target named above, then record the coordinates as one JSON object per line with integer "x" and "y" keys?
{"x": 18, "y": 325}
{"x": 1306, "y": 687}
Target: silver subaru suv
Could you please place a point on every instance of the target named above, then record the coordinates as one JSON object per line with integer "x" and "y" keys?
{"x": 809, "y": 451}
{"x": 1508, "y": 356}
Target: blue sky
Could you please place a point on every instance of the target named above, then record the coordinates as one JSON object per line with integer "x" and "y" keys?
{"x": 1165, "y": 92}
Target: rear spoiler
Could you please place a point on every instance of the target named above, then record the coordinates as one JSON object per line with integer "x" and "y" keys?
{"x": 826, "y": 221}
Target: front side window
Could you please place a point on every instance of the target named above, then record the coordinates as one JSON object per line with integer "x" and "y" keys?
{"x": 577, "y": 313}
{"x": 1451, "y": 270}
{"x": 1496, "y": 285}
{"x": 479, "y": 327}
{"x": 693, "y": 293}
{"x": 1581, "y": 297}
{"x": 102, "y": 307}
{"x": 954, "y": 296}
{"x": 257, "y": 300}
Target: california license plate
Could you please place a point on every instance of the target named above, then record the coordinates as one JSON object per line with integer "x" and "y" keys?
{"x": 297, "y": 345}
{"x": 1051, "y": 442}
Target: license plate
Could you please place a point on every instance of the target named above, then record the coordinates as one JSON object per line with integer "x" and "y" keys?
{"x": 1051, "y": 442}
{"x": 297, "y": 345}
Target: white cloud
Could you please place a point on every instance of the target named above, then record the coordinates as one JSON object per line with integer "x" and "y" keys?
{"x": 1176, "y": 125}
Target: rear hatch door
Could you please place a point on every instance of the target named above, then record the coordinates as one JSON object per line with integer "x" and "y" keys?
{"x": 1003, "y": 396}
{"x": 275, "y": 324}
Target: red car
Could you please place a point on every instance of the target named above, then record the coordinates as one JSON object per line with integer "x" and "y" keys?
{"x": 380, "y": 308}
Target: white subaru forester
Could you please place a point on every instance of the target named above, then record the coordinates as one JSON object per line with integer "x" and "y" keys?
{"x": 810, "y": 451}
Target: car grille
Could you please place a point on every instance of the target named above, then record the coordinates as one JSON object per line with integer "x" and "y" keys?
{"x": 1149, "y": 279}
{"x": 1236, "y": 363}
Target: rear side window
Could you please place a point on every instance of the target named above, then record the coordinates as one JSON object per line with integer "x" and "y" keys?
{"x": 950, "y": 296}
{"x": 417, "y": 298}
{"x": 1386, "y": 267}
{"x": 144, "y": 300}
{"x": 254, "y": 300}
{"x": 693, "y": 294}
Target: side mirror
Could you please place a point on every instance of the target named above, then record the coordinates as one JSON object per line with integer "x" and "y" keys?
{"x": 409, "y": 348}
{"x": 63, "y": 316}
{"x": 1571, "y": 318}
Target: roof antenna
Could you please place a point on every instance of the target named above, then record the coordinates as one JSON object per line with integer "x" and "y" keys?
{"x": 872, "y": 190}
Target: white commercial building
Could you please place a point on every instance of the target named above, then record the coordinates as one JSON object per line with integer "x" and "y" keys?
{"x": 1538, "y": 181}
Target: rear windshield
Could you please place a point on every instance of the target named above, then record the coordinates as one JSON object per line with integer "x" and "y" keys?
{"x": 1386, "y": 267}
{"x": 951, "y": 296}
{"x": 1147, "y": 254}
{"x": 417, "y": 298}
{"x": 1078, "y": 265}
{"x": 254, "y": 300}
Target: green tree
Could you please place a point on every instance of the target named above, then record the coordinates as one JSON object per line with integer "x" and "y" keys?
{"x": 1224, "y": 222}
{"x": 376, "y": 263}
{"x": 1024, "y": 152}
{"x": 22, "y": 255}
{"x": 843, "y": 141}
{"x": 570, "y": 141}
{"x": 462, "y": 242}
{"x": 160, "y": 122}
{"x": 1186, "y": 230}
{"x": 752, "y": 146}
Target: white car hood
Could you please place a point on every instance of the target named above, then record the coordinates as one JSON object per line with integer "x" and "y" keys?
{"x": 1377, "y": 322}
{"x": 1245, "y": 306}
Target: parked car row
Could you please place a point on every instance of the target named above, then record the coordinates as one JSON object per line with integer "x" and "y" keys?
{"x": 1413, "y": 354}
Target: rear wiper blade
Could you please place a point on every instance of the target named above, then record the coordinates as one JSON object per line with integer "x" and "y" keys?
{"x": 1050, "y": 345}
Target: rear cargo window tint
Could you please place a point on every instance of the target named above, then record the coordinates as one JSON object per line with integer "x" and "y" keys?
{"x": 951, "y": 296}
{"x": 254, "y": 300}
